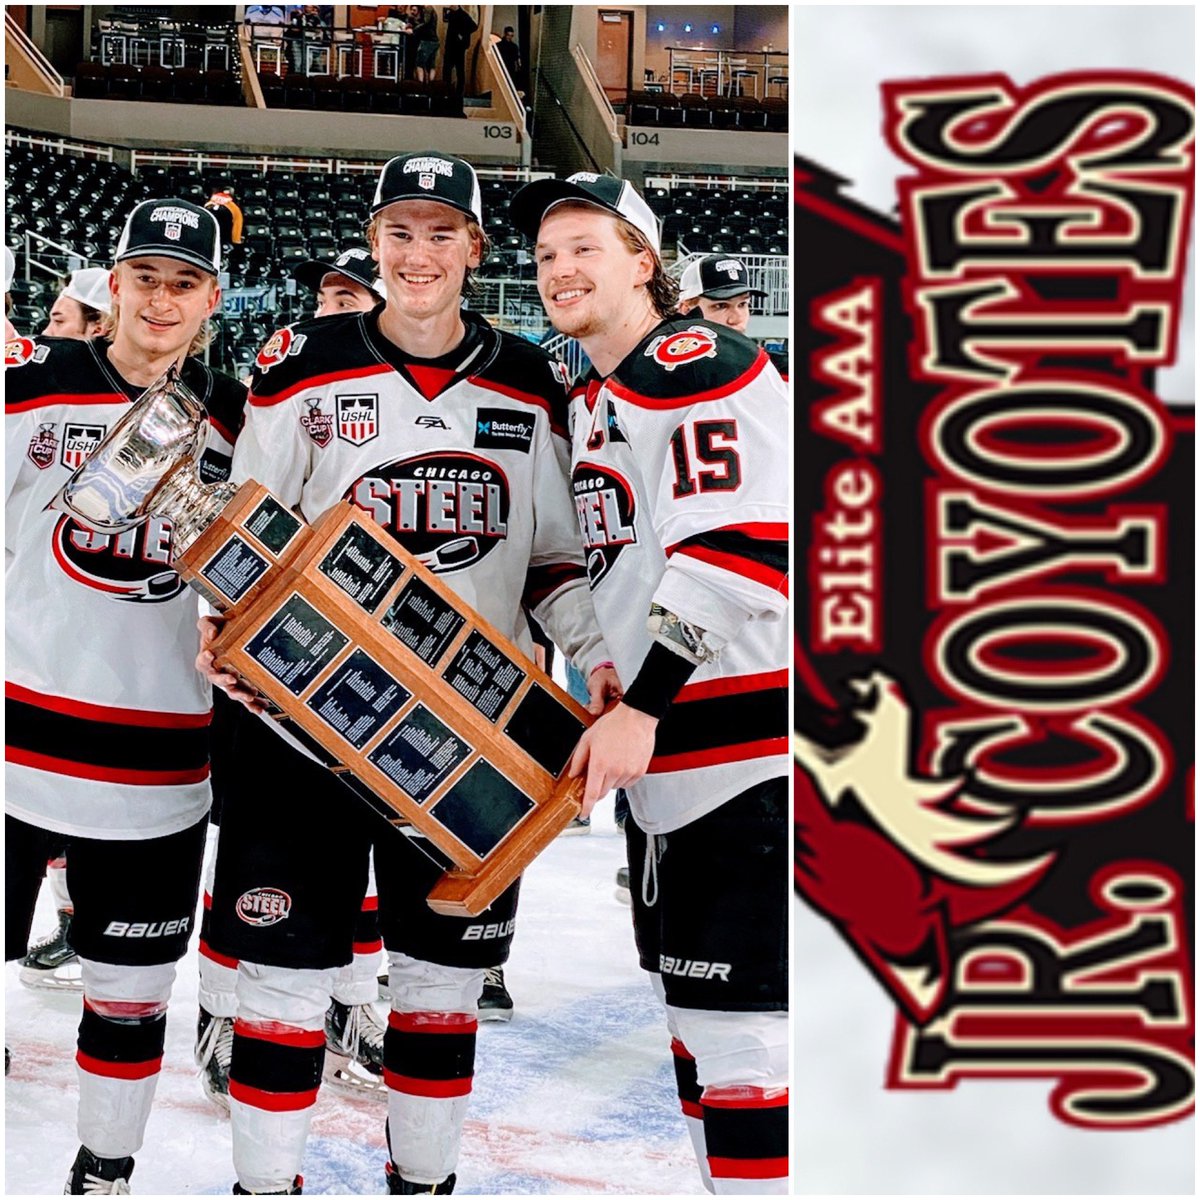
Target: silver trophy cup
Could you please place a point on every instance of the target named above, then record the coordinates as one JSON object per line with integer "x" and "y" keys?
{"x": 146, "y": 466}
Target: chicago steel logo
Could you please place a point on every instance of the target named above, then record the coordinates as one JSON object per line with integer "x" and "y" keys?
{"x": 448, "y": 508}
{"x": 278, "y": 346}
{"x": 264, "y": 906}
{"x": 317, "y": 424}
{"x": 993, "y": 804}
{"x": 357, "y": 419}
{"x": 604, "y": 506}
{"x": 78, "y": 443}
{"x": 43, "y": 446}
{"x": 673, "y": 349}
{"x": 132, "y": 566}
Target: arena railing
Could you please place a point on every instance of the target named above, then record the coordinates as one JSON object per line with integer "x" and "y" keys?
{"x": 58, "y": 145}
{"x": 731, "y": 183}
{"x": 43, "y": 71}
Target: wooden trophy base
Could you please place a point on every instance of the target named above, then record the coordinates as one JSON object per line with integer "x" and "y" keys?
{"x": 420, "y": 706}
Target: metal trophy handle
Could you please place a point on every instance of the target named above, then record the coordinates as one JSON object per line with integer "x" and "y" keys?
{"x": 146, "y": 466}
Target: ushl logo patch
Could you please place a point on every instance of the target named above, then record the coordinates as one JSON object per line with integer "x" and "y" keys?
{"x": 674, "y": 349}
{"x": 993, "y": 801}
{"x": 317, "y": 424}
{"x": 172, "y": 232}
{"x": 79, "y": 441}
{"x": 357, "y": 418}
{"x": 43, "y": 446}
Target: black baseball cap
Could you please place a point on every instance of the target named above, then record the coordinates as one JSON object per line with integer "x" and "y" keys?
{"x": 617, "y": 196}
{"x": 172, "y": 229}
{"x": 428, "y": 175}
{"x": 354, "y": 261}
{"x": 716, "y": 277}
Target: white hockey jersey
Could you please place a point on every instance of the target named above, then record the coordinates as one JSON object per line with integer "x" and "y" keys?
{"x": 106, "y": 718}
{"x": 681, "y": 490}
{"x": 463, "y": 460}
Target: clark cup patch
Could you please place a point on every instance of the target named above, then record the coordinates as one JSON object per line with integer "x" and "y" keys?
{"x": 264, "y": 906}
{"x": 673, "y": 349}
{"x": 43, "y": 446}
{"x": 503, "y": 429}
{"x": 78, "y": 443}
{"x": 994, "y": 508}
{"x": 317, "y": 424}
{"x": 357, "y": 418}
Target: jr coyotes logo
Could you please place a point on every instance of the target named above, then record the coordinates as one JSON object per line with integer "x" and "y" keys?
{"x": 994, "y": 707}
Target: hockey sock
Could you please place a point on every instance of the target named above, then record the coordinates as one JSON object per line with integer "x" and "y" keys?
{"x": 56, "y": 877}
{"x": 218, "y": 972}
{"x": 745, "y": 1129}
{"x": 119, "y": 1056}
{"x": 429, "y": 1062}
{"x": 689, "y": 1101}
{"x": 359, "y": 982}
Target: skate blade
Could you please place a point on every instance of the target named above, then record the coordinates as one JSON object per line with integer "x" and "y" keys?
{"x": 622, "y": 894}
{"x": 347, "y": 1076}
{"x": 220, "y": 1100}
{"x": 495, "y": 1014}
{"x": 50, "y": 981}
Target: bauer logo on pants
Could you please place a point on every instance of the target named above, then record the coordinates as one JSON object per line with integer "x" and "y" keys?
{"x": 264, "y": 906}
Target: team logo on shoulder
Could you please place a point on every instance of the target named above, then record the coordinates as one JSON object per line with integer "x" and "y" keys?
{"x": 357, "y": 419}
{"x": 264, "y": 906}
{"x": 19, "y": 351}
{"x": 79, "y": 441}
{"x": 562, "y": 374}
{"x": 449, "y": 508}
{"x": 317, "y": 424}
{"x": 43, "y": 446}
{"x": 673, "y": 349}
{"x": 132, "y": 566}
{"x": 279, "y": 345}
{"x": 606, "y": 511}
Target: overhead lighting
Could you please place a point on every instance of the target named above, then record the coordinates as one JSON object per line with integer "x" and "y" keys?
{"x": 716, "y": 29}
{"x": 688, "y": 27}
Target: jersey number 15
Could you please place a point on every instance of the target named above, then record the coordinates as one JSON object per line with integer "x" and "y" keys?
{"x": 709, "y": 444}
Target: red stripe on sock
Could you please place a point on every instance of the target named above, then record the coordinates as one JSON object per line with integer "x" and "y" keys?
{"x": 280, "y": 1034}
{"x": 691, "y": 1109}
{"x": 368, "y": 947}
{"x": 680, "y": 1050}
{"x": 272, "y": 1101}
{"x": 745, "y": 1097}
{"x": 441, "y": 1088}
{"x": 222, "y": 960}
{"x": 119, "y": 1070}
{"x": 748, "y": 1168}
{"x": 426, "y": 1022}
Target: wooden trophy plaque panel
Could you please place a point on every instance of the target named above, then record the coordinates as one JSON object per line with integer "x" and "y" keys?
{"x": 419, "y": 705}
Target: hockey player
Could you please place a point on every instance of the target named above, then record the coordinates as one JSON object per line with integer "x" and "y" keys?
{"x": 353, "y": 1030}
{"x": 81, "y": 306}
{"x": 717, "y": 288}
{"x": 679, "y": 450}
{"x": 107, "y": 743}
{"x": 452, "y": 436}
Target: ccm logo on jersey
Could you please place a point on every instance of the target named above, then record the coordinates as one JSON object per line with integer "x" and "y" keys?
{"x": 43, "y": 446}
{"x": 692, "y": 344}
{"x": 78, "y": 443}
{"x": 21, "y": 350}
{"x": 693, "y": 968}
{"x": 486, "y": 933}
{"x": 264, "y": 906}
{"x": 147, "y": 929}
{"x": 279, "y": 345}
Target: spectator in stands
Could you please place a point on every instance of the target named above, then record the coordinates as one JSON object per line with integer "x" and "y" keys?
{"x": 719, "y": 286}
{"x": 10, "y": 269}
{"x": 347, "y": 284}
{"x": 460, "y": 26}
{"x": 82, "y": 304}
{"x": 267, "y": 21}
{"x": 510, "y": 55}
{"x": 304, "y": 20}
{"x": 425, "y": 32}
{"x": 229, "y": 217}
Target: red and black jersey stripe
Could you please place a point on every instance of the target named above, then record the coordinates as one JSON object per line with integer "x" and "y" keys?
{"x": 429, "y": 1054}
{"x": 113, "y": 745}
{"x": 757, "y": 551}
{"x": 545, "y": 580}
{"x": 723, "y": 720}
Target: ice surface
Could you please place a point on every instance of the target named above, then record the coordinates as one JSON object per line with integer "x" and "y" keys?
{"x": 575, "y": 1095}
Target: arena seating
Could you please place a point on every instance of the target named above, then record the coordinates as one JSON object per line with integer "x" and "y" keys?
{"x": 291, "y": 215}
{"x": 692, "y": 110}
{"x": 354, "y": 94}
{"x": 163, "y": 85}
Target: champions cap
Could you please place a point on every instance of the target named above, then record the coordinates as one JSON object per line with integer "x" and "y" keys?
{"x": 353, "y": 261}
{"x": 530, "y": 205}
{"x": 90, "y": 287}
{"x": 429, "y": 176}
{"x": 716, "y": 277}
{"x": 172, "y": 229}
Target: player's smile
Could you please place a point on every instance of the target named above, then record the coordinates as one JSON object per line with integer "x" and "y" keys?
{"x": 424, "y": 249}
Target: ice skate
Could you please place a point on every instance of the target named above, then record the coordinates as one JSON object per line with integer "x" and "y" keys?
{"x": 297, "y": 1189}
{"x": 52, "y": 964}
{"x": 399, "y": 1186}
{"x": 92, "y": 1176}
{"x": 214, "y": 1052}
{"x": 354, "y": 1048}
{"x": 495, "y": 1004}
{"x": 622, "y": 892}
